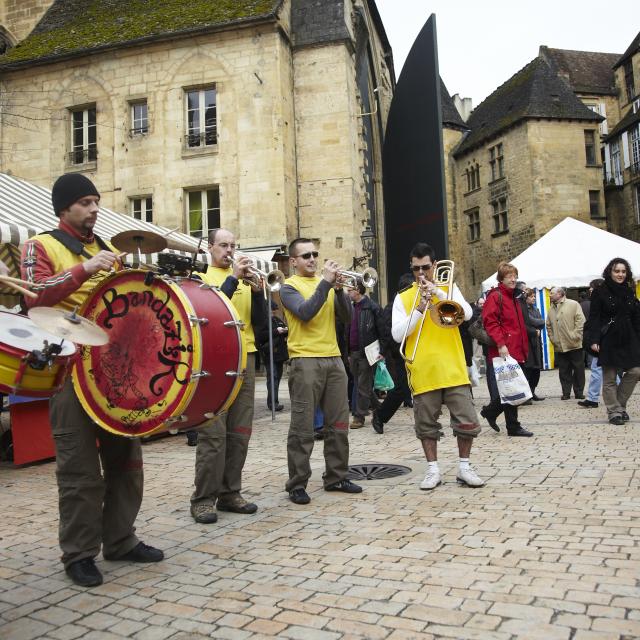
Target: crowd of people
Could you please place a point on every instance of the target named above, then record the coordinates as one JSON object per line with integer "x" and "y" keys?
{"x": 326, "y": 335}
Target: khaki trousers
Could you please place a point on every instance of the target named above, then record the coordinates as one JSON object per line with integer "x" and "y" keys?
{"x": 96, "y": 507}
{"x": 616, "y": 396}
{"x": 223, "y": 445}
{"x": 317, "y": 382}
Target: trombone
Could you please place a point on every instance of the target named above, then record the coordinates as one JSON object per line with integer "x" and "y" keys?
{"x": 260, "y": 280}
{"x": 447, "y": 313}
{"x": 351, "y": 279}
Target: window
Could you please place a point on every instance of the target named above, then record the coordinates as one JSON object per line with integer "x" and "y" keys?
{"x": 634, "y": 137}
{"x": 616, "y": 167}
{"x": 601, "y": 111}
{"x": 473, "y": 177}
{"x": 201, "y": 121}
{"x": 203, "y": 212}
{"x": 84, "y": 146}
{"x": 500, "y": 216}
{"x": 473, "y": 224}
{"x": 139, "y": 118}
{"x": 594, "y": 204}
{"x": 628, "y": 80}
{"x": 590, "y": 146}
{"x": 496, "y": 160}
{"x": 636, "y": 201}
{"x": 142, "y": 208}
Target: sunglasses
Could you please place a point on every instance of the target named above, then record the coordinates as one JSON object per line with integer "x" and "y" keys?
{"x": 421, "y": 267}
{"x": 306, "y": 256}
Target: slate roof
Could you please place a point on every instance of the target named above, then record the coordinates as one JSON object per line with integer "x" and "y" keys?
{"x": 629, "y": 120}
{"x": 450, "y": 115}
{"x": 534, "y": 92}
{"x": 634, "y": 47}
{"x": 76, "y": 27}
{"x": 585, "y": 71}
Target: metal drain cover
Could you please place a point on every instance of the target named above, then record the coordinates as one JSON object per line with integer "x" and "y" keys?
{"x": 376, "y": 471}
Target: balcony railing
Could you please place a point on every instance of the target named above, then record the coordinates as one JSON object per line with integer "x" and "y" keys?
{"x": 82, "y": 156}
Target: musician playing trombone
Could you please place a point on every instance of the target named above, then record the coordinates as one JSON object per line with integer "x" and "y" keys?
{"x": 317, "y": 377}
{"x": 223, "y": 443}
{"x": 436, "y": 367}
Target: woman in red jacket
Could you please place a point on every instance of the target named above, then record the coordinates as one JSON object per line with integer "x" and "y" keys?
{"x": 504, "y": 322}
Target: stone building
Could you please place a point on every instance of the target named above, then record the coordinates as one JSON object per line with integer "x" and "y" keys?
{"x": 531, "y": 157}
{"x": 622, "y": 148}
{"x": 264, "y": 116}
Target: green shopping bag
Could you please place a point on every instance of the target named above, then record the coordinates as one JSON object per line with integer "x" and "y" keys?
{"x": 382, "y": 380}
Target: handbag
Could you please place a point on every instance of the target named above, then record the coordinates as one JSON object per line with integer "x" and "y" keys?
{"x": 513, "y": 386}
{"x": 382, "y": 380}
{"x": 477, "y": 330}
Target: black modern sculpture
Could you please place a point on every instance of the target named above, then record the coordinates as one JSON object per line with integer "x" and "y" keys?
{"x": 412, "y": 159}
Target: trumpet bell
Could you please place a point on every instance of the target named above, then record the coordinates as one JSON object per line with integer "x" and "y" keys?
{"x": 275, "y": 280}
{"x": 447, "y": 314}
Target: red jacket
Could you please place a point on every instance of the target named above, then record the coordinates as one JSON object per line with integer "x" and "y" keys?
{"x": 504, "y": 322}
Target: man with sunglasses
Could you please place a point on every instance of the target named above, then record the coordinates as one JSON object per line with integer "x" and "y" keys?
{"x": 438, "y": 374}
{"x": 317, "y": 377}
{"x": 224, "y": 442}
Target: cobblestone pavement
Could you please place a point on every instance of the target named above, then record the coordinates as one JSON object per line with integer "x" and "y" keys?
{"x": 548, "y": 549}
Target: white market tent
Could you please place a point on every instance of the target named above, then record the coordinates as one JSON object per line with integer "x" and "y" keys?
{"x": 571, "y": 255}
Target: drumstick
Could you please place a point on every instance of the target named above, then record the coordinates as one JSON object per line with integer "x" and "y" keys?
{"x": 17, "y": 287}
{"x": 171, "y": 231}
{"x": 16, "y": 280}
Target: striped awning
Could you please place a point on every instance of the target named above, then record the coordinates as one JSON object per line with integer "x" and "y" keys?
{"x": 25, "y": 210}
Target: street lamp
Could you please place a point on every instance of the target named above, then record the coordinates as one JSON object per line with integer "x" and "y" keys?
{"x": 368, "y": 239}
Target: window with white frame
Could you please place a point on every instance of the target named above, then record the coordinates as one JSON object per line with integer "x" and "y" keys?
{"x": 616, "y": 166}
{"x": 203, "y": 211}
{"x": 142, "y": 208}
{"x": 500, "y": 215}
{"x": 634, "y": 137}
{"x": 84, "y": 139}
{"x": 496, "y": 161}
{"x": 139, "y": 118}
{"x": 201, "y": 117}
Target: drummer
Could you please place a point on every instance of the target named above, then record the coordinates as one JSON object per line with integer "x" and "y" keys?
{"x": 224, "y": 442}
{"x": 96, "y": 509}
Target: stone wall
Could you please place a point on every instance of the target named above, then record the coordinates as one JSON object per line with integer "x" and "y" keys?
{"x": 19, "y": 17}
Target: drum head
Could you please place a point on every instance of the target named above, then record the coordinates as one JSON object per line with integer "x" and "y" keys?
{"x": 142, "y": 376}
{"x": 20, "y": 332}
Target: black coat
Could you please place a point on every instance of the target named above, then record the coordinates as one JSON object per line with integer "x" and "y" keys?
{"x": 534, "y": 323}
{"x": 614, "y": 324}
{"x": 280, "y": 351}
{"x": 370, "y": 324}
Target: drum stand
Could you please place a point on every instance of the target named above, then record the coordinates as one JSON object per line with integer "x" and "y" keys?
{"x": 272, "y": 383}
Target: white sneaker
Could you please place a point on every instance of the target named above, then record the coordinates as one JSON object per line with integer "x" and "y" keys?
{"x": 469, "y": 477}
{"x": 431, "y": 480}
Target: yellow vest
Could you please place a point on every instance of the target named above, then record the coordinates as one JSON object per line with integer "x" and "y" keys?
{"x": 439, "y": 361}
{"x": 62, "y": 259}
{"x": 241, "y": 301}
{"x": 316, "y": 338}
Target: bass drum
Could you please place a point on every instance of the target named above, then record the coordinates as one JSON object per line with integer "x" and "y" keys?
{"x": 175, "y": 356}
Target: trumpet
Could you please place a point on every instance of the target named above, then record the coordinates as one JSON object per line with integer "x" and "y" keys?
{"x": 351, "y": 279}
{"x": 446, "y": 313}
{"x": 260, "y": 280}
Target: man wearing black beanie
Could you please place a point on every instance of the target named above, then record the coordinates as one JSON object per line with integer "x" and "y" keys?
{"x": 96, "y": 509}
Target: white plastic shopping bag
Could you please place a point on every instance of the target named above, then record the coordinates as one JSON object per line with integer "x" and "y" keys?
{"x": 512, "y": 383}
{"x": 474, "y": 374}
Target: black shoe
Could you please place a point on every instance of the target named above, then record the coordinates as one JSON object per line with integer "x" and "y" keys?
{"x": 376, "y": 423}
{"x": 84, "y": 573}
{"x": 408, "y": 404}
{"x": 299, "y": 496}
{"x": 625, "y": 416}
{"x": 617, "y": 420}
{"x": 140, "y": 553}
{"x": 346, "y": 486}
{"x": 588, "y": 404}
{"x": 279, "y": 407}
{"x": 492, "y": 421}
{"x": 192, "y": 438}
{"x": 529, "y": 401}
{"x": 519, "y": 431}
{"x": 319, "y": 434}
{"x": 537, "y": 398}
{"x": 579, "y": 397}
{"x": 565, "y": 397}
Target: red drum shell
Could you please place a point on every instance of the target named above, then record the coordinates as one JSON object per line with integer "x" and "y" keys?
{"x": 163, "y": 334}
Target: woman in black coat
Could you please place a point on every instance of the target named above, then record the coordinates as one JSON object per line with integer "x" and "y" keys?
{"x": 613, "y": 333}
{"x": 534, "y": 323}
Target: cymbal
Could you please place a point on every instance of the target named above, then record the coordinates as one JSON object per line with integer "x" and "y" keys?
{"x": 67, "y": 324}
{"x": 134, "y": 239}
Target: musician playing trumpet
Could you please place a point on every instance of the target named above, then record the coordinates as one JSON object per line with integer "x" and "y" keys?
{"x": 224, "y": 442}
{"x": 436, "y": 370}
{"x": 317, "y": 377}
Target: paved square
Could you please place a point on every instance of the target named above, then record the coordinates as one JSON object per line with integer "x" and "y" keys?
{"x": 548, "y": 549}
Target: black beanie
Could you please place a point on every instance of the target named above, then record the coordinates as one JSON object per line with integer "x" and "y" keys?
{"x": 69, "y": 188}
